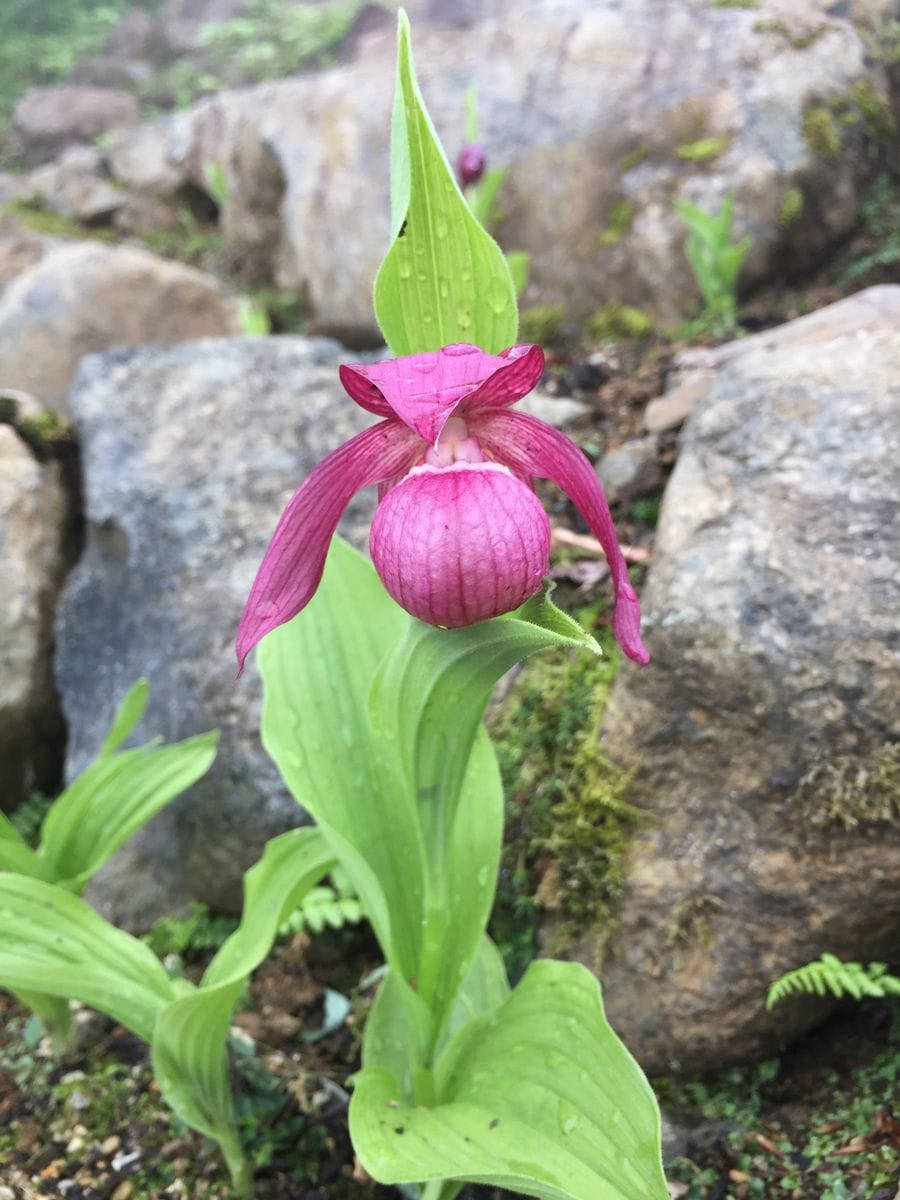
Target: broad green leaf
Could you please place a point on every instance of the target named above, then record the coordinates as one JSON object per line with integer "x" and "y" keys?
{"x": 444, "y": 279}
{"x": 112, "y": 799}
{"x": 465, "y": 864}
{"x": 428, "y": 700}
{"x": 53, "y": 942}
{"x": 318, "y": 671}
{"x": 431, "y": 673}
{"x": 396, "y": 1033}
{"x": 486, "y": 988}
{"x": 538, "y": 1096}
{"x": 18, "y": 857}
{"x": 189, "y": 1057}
{"x": 127, "y": 716}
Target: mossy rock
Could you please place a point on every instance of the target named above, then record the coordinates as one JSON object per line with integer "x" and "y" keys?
{"x": 618, "y": 322}
{"x": 851, "y": 792}
{"x": 569, "y": 819}
{"x": 542, "y": 324}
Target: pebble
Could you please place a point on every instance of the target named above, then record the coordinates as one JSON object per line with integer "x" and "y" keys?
{"x": 111, "y": 1144}
{"x": 123, "y": 1191}
{"x": 7, "y": 1193}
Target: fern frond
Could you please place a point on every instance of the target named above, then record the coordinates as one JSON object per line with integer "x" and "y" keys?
{"x": 324, "y": 907}
{"x": 830, "y": 974}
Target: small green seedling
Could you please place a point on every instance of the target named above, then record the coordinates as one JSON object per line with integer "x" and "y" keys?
{"x": 716, "y": 263}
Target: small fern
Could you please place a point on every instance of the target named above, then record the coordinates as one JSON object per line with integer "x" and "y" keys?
{"x": 830, "y": 974}
{"x": 324, "y": 907}
{"x": 192, "y": 935}
{"x": 29, "y": 817}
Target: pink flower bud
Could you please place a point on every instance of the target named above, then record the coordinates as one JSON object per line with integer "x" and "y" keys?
{"x": 471, "y": 163}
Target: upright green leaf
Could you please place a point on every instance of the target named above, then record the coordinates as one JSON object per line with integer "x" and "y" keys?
{"x": 444, "y": 279}
{"x": 112, "y": 799}
{"x": 538, "y": 1096}
{"x": 53, "y": 942}
{"x": 318, "y": 671}
{"x": 189, "y": 1057}
{"x": 431, "y": 673}
{"x": 127, "y": 716}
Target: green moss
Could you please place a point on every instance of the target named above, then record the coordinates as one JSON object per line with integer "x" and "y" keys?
{"x": 569, "y": 823}
{"x": 823, "y": 124}
{"x": 874, "y": 111}
{"x": 795, "y": 38}
{"x": 618, "y": 322}
{"x": 36, "y": 217}
{"x": 640, "y": 154}
{"x": 851, "y": 791}
{"x": 191, "y": 242}
{"x": 692, "y": 922}
{"x": 704, "y": 149}
{"x": 822, "y": 132}
{"x": 620, "y": 218}
{"x": 791, "y": 208}
{"x": 542, "y": 323}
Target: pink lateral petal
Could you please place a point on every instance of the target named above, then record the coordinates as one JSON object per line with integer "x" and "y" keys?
{"x": 424, "y": 390}
{"x": 530, "y": 447}
{"x": 293, "y": 563}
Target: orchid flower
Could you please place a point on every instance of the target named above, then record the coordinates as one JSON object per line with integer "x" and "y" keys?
{"x": 458, "y": 535}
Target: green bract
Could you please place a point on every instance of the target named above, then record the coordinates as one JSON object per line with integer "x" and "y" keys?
{"x": 444, "y": 278}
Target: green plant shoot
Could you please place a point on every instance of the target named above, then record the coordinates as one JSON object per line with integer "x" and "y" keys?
{"x": 716, "y": 263}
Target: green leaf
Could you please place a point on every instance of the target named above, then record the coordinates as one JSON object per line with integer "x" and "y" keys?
{"x": 54, "y": 1015}
{"x": 18, "y": 857}
{"x": 54, "y": 943}
{"x": 432, "y": 672}
{"x": 444, "y": 279}
{"x": 318, "y": 671}
{"x": 482, "y": 199}
{"x": 429, "y": 675}
{"x": 189, "y": 1058}
{"x": 538, "y": 1096}
{"x": 519, "y": 265}
{"x": 113, "y": 798}
{"x": 127, "y": 716}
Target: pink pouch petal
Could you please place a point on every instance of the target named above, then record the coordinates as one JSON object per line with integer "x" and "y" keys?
{"x": 459, "y": 544}
{"x": 529, "y": 447}
{"x": 293, "y": 563}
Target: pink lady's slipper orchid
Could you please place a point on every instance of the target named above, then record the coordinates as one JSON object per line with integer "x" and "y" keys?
{"x": 458, "y": 535}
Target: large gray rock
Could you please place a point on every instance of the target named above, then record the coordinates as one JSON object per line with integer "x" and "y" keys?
{"x": 767, "y": 724}
{"x": 33, "y": 522}
{"x": 48, "y": 119}
{"x": 189, "y": 456}
{"x": 87, "y": 297}
{"x": 605, "y": 113}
